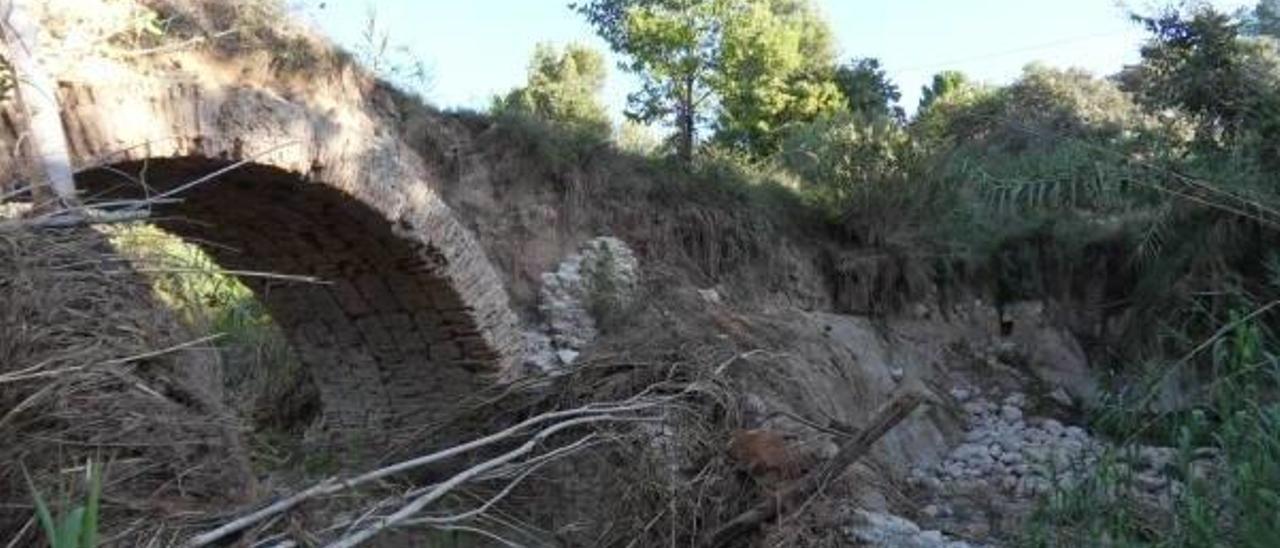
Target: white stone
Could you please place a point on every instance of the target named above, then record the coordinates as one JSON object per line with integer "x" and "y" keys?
{"x": 1016, "y": 399}
{"x": 1053, "y": 427}
{"x": 961, "y": 394}
{"x": 1061, "y": 397}
{"x": 567, "y": 357}
{"x": 602, "y": 265}
{"x": 1010, "y": 413}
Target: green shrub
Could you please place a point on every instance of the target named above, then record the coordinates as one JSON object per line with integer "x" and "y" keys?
{"x": 563, "y": 87}
{"x": 867, "y": 175}
{"x": 1235, "y": 505}
{"x": 265, "y": 381}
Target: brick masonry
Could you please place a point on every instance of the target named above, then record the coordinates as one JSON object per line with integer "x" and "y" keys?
{"x": 412, "y": 316}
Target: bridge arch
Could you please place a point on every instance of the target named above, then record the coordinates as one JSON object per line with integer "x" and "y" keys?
{"x": 411, "y": 306}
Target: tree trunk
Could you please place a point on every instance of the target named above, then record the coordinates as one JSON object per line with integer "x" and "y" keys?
{"x": 686, "y": 122}
{"x": 36, "y": 93}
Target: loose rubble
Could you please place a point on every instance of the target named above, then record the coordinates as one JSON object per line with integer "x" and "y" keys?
{"x": 604, "y": 272}
{"x": 885, "y": 530}
{"x": 987, "y": 485}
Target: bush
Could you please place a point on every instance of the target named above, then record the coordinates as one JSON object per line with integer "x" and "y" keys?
{"x": 78, "y": 527}
{"x": 869, "y": 176}
{"x": 1232, "y": 503}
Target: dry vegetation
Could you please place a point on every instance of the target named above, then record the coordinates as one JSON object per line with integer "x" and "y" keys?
{"x": 95, "y": 367}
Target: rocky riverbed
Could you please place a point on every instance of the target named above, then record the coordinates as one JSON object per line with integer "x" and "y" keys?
{"x": 989, "y": 484}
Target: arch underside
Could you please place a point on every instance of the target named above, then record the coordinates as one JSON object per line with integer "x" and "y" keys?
{"x": 387, "y": 339}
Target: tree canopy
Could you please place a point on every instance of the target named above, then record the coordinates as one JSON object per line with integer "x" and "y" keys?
{"x": 749, "y": 66}
{"x": 672, "y": 46}
{"x": 944, "y": 83}
{"x": 776, "y": 67}
{"x": 868, "y": 91}
{"x": 1197, "y": 61}
{"x": 563, "y": 85}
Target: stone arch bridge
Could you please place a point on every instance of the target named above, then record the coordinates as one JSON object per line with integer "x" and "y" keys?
{"x": 411, "y": 313}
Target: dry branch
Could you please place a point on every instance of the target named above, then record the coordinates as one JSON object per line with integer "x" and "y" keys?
{"x": 852, "y": 451}
{"x": 121, "y": 211}
{"x": 568, "y": 418}
{"x": 443, "y": 488}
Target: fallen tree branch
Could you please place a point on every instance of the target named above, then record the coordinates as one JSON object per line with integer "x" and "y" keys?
{"x": 511, "y": 485}
{"x": 78, "y": 217}
{"x": 443, "y": 488}
{"x": 334, "y": 485}
{"x": 35, "y": 371}
{"x": 851, "y": 452}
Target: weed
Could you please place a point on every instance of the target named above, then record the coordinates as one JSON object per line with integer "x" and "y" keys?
{"x": 78, "y": 527}
{"x": 265, "y": 382}
{"x": 1229, "y": 500}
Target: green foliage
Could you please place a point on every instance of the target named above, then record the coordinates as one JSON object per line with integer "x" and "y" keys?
{"x": 637, "y": 138}
{"x": 561, "y": 148}
{"x": 868, "y": 91}
{"x": 1263, "y": 20}
{"x": 563, "y": 87}
{"x": 78, "y": 527}
{"x": 944, "y": 83}
{"x": 263, "y": 377}
{"x": 1233, "y": 505}
{"x": 839, "y": 158}
{"x": 752, "y": 66}
{"x": 775, "y": 68}
{"x": 673, "y": 46}
{"x": 947, "y": 108}
{"x": 867, "y": 175}
{"x": 1196, "y": 62}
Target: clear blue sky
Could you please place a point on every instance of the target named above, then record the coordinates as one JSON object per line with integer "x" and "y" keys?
{"x": 478, "y": 48}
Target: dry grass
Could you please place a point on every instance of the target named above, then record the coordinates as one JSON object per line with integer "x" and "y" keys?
{"x": 92, "y": 365}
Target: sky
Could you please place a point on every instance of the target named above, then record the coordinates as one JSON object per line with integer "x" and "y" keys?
{"x": 476, "y": 49}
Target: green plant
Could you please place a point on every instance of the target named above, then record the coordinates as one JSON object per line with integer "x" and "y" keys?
{"x": 78, "y": 527}
{"x": 265, "y": 381}
{"x": 563, "y": 87}
{"x": 1231, "y": 502}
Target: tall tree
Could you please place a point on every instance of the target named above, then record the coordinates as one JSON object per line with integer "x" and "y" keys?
{"x": 868, "y": 91}
{"x": 673, "y": 46}
{"x": 563, "y": 86}
{"x": 1195, "y": 61}
{"x": 1263, "y": 20}
{"x": 776, "y": 68}
{"x": 752, "y": 66}
{"x": 944, "y": 83}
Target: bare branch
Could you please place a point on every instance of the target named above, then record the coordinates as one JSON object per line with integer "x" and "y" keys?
{"x": 334, "y": 485}
{"x": 445, "y": 487}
